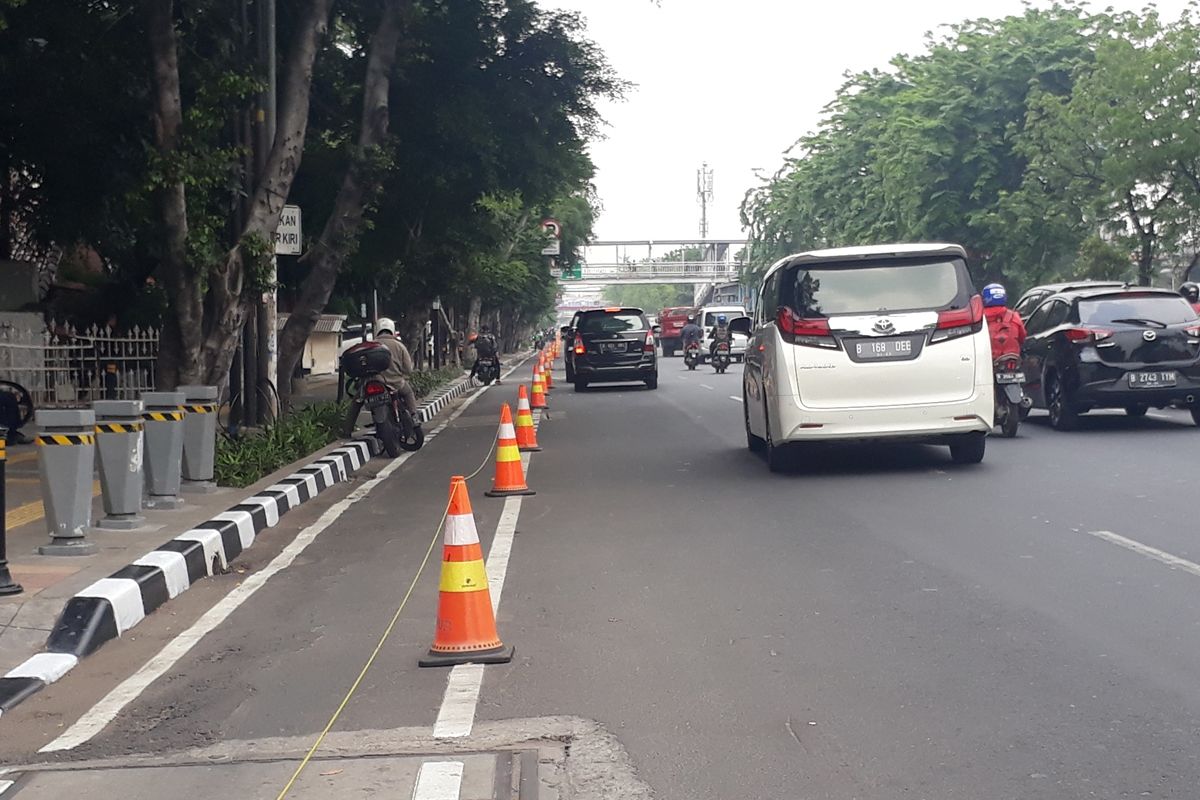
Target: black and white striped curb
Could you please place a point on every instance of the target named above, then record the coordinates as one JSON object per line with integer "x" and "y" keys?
{"x": 111, "y": 606}
{"x": 443, "y": 398}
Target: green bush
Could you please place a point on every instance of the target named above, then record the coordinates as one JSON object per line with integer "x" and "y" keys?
{"x": 251, "y": 457}
{"x": 425, "y": 382}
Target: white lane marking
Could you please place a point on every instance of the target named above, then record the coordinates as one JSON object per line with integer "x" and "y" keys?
{"x": 736, "y": 398}
{"x": 456, "y": 717}
{"x": 438, "y": 780}
{"x": 706, "y": 386}
{"x": 5, "y": 786}
{"x": 104, "y": 712}
{"x": 1146, "y": 550}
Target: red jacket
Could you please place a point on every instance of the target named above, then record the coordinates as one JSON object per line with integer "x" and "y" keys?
{"x": 1006, "y": 329}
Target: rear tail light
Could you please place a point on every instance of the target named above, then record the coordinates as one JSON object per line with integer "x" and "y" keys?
{"x": 1194, "y": 331}
{"x": 1087, "y": 335}
{"x": 648, "y": 347}
{"x": 374, "y": 388}
{"x": 579, "y": 348}
{"x": 801, "y": 331}
{"x": 959, "y": 322}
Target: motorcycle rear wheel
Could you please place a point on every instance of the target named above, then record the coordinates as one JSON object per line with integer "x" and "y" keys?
{"x": 1012, "y": 421}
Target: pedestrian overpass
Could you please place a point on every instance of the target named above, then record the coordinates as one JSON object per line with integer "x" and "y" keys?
{"x": 635, "y": 261}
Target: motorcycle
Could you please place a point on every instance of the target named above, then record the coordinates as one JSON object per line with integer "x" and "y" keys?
{"x": 691, "y": 355}
{"x": 394, "y": 427}
{"x": 1012, "y": 404}
{"x": 489, "y": 369}
{"x": 720, "y": 357}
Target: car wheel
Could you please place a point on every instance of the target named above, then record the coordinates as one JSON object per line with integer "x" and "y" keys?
{"x": 1062, "y": 416}
{"x": 776, "y": 455}
{"x": 580, "y": 385}
{"x": 1138, "y": 410}
{"x": 570, "y": 373}
{"x": 969, "y": 449}
{"x": 755, "y": 443}
{"x": 652, "y": 383}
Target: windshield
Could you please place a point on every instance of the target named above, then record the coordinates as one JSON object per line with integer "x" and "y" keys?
{"x": 1133, "y": 310}
{"x": 837, "y": 290}
{"x": 612, "y": 323}
{"x": 710, "y": 318}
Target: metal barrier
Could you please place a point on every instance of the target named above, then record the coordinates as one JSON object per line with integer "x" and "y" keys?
{"x": 119, "y": 447}
{"x": 66, "y": 455}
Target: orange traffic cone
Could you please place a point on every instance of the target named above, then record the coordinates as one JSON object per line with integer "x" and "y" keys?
{"x": 466, "y": 626}
{"x": 538, "y": 392}
{"x": 546, "y": 379}
{"x": 510, "y": 477}
{"x": 526, "y": 435}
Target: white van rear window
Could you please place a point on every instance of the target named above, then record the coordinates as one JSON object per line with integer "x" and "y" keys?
{"x": 820, "y": 291}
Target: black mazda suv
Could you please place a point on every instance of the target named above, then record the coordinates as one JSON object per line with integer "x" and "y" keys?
{"x": 1133, "y": 348}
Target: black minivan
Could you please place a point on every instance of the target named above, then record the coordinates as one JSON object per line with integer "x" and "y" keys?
{"x": 1131, "y": 348}
{"x": 613, "y": 345}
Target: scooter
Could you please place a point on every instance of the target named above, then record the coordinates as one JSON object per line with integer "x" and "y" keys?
{"x": 691, "y": 355}
{"x": 720, "y": 357}
{"x": 1011, "y": 401}
{"x": 394, "y": 426}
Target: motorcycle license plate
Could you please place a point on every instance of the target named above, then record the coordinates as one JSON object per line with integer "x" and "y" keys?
{"x": 1152, "y": 380}
{"x": 1010, "y": 377}
{"x": 376, "y": 400}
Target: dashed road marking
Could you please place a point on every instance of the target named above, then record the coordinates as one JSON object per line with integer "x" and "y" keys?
{"x": 706, "y": 386}
{"x": 1161, "y": 556}
{"x": 439, "y": 780}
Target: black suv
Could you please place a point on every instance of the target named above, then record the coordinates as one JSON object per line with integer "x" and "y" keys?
{"x": 1112, "y": 348}
{"x": 1034, "y": 297}
{"x": 613, "y": 344}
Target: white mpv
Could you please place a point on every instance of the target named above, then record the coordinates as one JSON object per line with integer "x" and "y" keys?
{"x": 861, "y": 343}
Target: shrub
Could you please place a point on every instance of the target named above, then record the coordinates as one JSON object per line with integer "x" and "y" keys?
{"x": 254, "y": 455}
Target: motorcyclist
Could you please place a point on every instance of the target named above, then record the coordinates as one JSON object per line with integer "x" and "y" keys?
{"x": 1005, "y": 326}
{"x": 1191, "y": 292}
{"x": 720, "y": 334}
{"x": 396, "y": 375}
{"x": 485, "y": 350}
{"x": 691, "y": 332}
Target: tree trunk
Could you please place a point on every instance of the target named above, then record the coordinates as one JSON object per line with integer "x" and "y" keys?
{"x": 359, "y": 186}
{"x": 207, "y": 337}
{"x": 473, "y": 314}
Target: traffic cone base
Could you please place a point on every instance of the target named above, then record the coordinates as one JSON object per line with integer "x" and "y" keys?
{"x": 466, "y": 627}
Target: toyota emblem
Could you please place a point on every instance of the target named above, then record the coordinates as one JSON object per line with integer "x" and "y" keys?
{"x": 884, "y": 326}
{"x": 1149, "y": 336}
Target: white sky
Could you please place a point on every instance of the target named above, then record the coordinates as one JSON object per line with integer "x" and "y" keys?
{"x": 735, "y": 83}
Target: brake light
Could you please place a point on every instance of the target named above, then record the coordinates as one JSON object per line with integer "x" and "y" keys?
{"x": 648, "y": 347}
{"x": 579, "y": 348}
{"x": 811, "y": 332}
{"x": 958, "y": 322}
{"x": 375, "y": 388}
{"x": 1087, "y": 335}
{"x": 1193, "y": 331}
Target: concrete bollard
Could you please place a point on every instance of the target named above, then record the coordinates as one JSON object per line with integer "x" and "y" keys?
{"x": 66, "y": 456}
{"x": 119, "y": 446}
{"x": 199, "y": 438}
{"x": 163, "y": 420}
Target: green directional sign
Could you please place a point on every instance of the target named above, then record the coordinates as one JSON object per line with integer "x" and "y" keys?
{"x": 572, "y": 272}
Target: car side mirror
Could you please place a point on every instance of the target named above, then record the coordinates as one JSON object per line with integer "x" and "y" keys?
{"x": 741, "y": 325}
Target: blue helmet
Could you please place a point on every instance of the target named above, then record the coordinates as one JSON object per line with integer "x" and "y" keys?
{"x": 722, "y": 319}
{"x": 994, "y": 295}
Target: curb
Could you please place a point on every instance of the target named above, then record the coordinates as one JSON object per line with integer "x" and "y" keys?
{"x": 111, "y": 606}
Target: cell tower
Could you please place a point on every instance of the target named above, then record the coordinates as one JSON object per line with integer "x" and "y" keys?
{"x": 704, "y": 195}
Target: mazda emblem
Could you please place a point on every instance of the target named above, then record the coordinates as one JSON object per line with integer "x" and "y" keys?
{"x": 884, "y": 326}
{"x": 1149, "y": 336}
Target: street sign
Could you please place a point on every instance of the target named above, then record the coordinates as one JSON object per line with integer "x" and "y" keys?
{"x": 287, "y": 235}
{"x": 552, "y": 249}
{"x": 552, "y": 227}
{"x": 572, "y": 272}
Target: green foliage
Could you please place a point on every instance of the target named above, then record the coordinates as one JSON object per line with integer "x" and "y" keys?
{"x": 1100, "y": 261}
{"x": 651, "y": 298}
{"x": 425, "y": 381}
{"x": 255, "y": 455}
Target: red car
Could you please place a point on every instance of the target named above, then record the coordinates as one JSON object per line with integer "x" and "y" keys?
{"x": 672, "y": 320}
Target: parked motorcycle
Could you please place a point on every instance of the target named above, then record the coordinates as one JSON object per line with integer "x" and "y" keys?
{"x": 489, "y": 369}
{"x": 394, "y": 427}
{"x": 720, "y": 357}
{"x": 1011, "y": 402}
{"x": 691, "y": 355}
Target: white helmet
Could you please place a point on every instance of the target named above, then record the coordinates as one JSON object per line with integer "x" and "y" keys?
{"x": 385, "y": 325}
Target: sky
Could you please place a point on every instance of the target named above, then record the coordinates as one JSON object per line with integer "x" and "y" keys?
{"x": 734, "y": 83}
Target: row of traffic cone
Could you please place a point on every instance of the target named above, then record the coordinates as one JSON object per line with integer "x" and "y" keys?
{"x": 466, "y": 625}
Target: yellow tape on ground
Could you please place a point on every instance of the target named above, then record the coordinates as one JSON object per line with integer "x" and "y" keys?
{"x": 463, "y": 576}
{"x": 32, "y": 512}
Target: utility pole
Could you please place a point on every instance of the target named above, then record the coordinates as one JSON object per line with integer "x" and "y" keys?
{"x": 704, "y": 195}
{"x": 267, "y": 311}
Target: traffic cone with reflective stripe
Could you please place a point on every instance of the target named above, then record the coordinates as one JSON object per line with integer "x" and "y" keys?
{"x": 466, "y": 626}
{"x": 537, "y": 394}
{"x": 526, "y": 435}
{"x": 510, "y": 477}
{"x": 546, "y": 379}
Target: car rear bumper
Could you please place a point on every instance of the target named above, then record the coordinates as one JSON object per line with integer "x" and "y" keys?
{"x": 639, "y": 372}
{"x": 1108, "y": 387}
{"x": 797, "y": 423}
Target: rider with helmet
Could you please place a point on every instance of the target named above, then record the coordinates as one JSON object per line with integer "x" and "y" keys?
{"x": 720, "y": 333}
{"x": 396, "y": 375}
{"x": 691, "y": 332}
{"x": 485, "y": 350}
{"x": 1191, "y": 292}
{"x": 1005, "y": 326}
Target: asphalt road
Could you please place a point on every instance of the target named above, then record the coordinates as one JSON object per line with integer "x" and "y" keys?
{"x": 877, "y": 624}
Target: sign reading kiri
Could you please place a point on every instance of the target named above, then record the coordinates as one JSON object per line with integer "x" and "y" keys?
{"x": 287, "y": 235}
